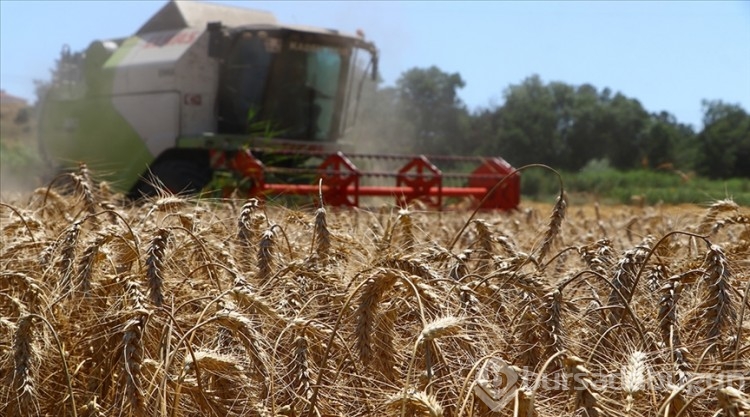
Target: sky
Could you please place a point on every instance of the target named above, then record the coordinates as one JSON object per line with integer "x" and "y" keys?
{"x": 668, "y": 55}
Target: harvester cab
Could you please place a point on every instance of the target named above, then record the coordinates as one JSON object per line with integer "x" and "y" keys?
{"x": 286, "y": 82}
{"x": 205, "y": 90}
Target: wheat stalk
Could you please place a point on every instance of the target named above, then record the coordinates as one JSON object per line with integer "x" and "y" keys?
{"x": 524, "y": 406}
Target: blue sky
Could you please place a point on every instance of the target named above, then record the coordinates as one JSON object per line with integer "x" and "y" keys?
{"x": 669, "y": 55}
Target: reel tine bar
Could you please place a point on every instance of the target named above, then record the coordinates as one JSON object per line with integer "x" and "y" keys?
{"x": 419, "y": 179}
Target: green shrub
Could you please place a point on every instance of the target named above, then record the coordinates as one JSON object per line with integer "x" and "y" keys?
{"x": 599, "y": 182}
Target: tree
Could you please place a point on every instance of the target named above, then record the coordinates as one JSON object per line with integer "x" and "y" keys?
{"x": 482, "y": 133}
{"x": 623, "y": 131}
{"x": 557, "y": 124}
{"x": 724, "y": 141}
{"x": 669, "y": 143}
{"x": 565, "y": 126}
{"x": 584, "y": 138}
{"x": 429, "y": 98}
{"x": 529, "y": 127}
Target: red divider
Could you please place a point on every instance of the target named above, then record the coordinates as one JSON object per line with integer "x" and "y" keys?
{"x": 419, "y": 179}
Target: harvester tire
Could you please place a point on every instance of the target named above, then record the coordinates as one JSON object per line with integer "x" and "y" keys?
{"x": 174, "y": 175}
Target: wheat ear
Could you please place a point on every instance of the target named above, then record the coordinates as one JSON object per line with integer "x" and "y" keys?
{"x": 84, "y": 185}
{"x": 670, "y": 331}
{"x": 713, "y": 212}
{"x": 718, "y": 312}
{"x": 367, "y": 311}
{"x": 249, "y": 222}
{"x": 248, "y": 300}
{"x": 414, "y": 403}
{"x": 406, "y": 225}
{"x": 265, "y": 255}
{"x": 155, "y": 266}
{"x": 524, "y": 403}
{"x": 584, "y": 392}
{"x": 598, "y": 256}
{"x": 301, "y": 366}
{"x": 624, "y": 279}
{"x": 25, "y": 358}
{"x": 322, "y": 234}
{"x": 733, "y": 402}
{"x": 384, "y": 347}
{"x": 553, "y": 332}
{"x": 68, "y": 254}
{"x": 220, "y": 364}
{"x": 439, "y": 328}
{"x": 132, "y": 359}
{"x": 555, "y": 224}
{"x": 484, "y": 243}
{"x": 88, "y": 261}
{"x": 245, "y": 329}
{"x": 634, "y": 379}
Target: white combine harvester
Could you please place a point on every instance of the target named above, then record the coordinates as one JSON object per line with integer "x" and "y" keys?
{"x": 203, "y": 89}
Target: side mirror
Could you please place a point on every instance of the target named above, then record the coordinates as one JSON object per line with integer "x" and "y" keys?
{"x": 216, "y": 40}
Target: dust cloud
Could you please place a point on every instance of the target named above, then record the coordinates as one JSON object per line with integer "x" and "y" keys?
{"x": 21, "y": 169}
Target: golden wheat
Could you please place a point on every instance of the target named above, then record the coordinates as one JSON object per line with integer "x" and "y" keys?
{"x": 181, "y": 307}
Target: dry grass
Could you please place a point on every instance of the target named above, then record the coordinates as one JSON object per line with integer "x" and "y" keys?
{"x": 179, "y": 307}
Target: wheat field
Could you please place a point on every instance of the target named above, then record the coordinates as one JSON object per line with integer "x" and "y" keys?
{"x": 185, "y": 307}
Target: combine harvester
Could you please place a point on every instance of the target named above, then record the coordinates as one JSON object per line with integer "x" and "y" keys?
{"x": 204, "y": 91}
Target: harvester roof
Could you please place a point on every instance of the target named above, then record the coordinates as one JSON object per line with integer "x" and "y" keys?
{"x": 183, "y": 14}
{"x": 177, "y": 15}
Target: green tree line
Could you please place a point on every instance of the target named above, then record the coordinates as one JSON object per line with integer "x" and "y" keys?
{"x": 554, "y": 123}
